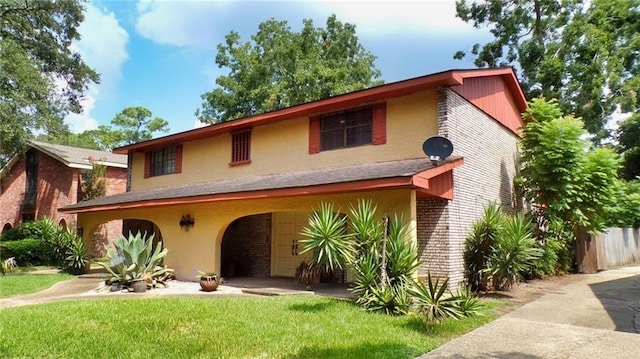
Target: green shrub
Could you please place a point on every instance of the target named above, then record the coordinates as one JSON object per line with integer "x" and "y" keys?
{"x": 478, "y": 246}
{"x": 26, "y": 252}
{"x": 513, "y": 252}
{"x": 42, "y": 229}
{"x": 433, "y": 301}
{"x": 77, "y": 257}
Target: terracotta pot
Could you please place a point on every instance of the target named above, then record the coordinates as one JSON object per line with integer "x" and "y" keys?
{"x": 208, "y": 284}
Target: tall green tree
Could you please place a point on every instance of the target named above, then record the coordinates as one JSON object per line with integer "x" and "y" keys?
{"x": 135, "y": 124}
{"x": 565, "y": 179}
{"x": 41, "y": 78}
{"x": 131, "y": 125}
{"x": 583, "y": 53}
{"x": 629, "y": 146}
{"x": 280, "y": 68}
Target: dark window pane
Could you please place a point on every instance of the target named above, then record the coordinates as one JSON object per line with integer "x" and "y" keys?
{"x": 346, "y": 129}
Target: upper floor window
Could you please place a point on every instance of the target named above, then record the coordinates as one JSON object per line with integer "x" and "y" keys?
{"x": 241, "y": 147}
{"x": 350, "y": 128}
{"x": 163, "y": 161}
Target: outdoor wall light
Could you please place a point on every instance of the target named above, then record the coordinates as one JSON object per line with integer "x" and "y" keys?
{"x": 186, "y": 222}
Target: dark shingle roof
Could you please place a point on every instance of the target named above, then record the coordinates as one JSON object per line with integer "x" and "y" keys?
{"x": 300, "y": 179}
{"x": 79, "y": 157}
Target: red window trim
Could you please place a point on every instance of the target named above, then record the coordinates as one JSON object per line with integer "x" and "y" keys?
{"x": 379, "y": 128}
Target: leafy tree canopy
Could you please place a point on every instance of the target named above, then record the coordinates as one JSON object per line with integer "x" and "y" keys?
{"x": 131, "y": 125}
{"x": 41, "y": 77}
{"x": 280, "y": 68}
{"x": 565, "y": 179}
{"x": 629, "y": 146}
{"x": 584, "y": 53}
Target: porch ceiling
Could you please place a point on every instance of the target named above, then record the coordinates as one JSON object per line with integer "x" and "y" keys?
{"x": 412, "y": 173}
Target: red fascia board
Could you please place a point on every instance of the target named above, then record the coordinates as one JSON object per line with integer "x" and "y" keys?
{"x": 352, "y": 99}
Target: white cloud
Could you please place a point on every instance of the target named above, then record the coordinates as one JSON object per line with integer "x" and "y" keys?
{"x": 198, "y": 124}
{"x": 180, "y": 23}
{"x": 83, "y": 121}
{"x": 103, "y": 48}
{"x": 198, "y": 23}
{"x": 395, "y": 17}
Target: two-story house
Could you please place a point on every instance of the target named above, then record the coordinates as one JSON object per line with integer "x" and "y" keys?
{"x": 234, "y": 196}
{"x": 49, "y": 176}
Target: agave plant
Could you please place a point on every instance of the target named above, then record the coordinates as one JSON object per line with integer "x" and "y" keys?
{"x": 134, "y": 257}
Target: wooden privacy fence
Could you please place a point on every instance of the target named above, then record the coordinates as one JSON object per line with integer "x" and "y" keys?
{"x": 616, "y": 247}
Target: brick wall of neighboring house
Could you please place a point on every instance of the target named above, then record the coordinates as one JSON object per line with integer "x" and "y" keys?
{"x": 11, "y": 195}
{"x": 57, "y": 185}
{"x": 490, "y": 155}
{"x": 106, "y": 233}
{"x": 246, "y": 245}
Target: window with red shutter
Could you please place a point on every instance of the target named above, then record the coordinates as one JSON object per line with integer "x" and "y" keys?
{"x": 350, "y": 128}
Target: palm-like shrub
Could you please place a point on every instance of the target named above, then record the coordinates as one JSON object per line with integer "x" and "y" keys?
{"x": 326, "y": 237}
{"x": 478, "y": 246}
{"x": 434, "y": 302}
{"x": 77, "y": 257}
{"x": 134, "y": 257}
{"x": 513, "y": 252}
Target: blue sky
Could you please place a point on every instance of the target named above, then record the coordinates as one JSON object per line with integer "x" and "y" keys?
{"x": 161, "y": 54}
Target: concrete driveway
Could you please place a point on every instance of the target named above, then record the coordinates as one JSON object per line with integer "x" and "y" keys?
{"x": 596, "y": 317}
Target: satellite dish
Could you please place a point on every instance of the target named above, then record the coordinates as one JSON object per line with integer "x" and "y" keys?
{"x": 437, "y": 148}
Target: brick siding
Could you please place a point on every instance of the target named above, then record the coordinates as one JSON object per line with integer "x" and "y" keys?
{"x": 489, "y": 150}
{"x": 246, "y": 245}
{"x": 57, "y": 186}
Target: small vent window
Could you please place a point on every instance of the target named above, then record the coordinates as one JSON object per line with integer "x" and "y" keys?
{"x": 241, "y": 147}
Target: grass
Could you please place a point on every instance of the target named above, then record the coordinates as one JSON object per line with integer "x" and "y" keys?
{"x": 230, "y": 327}
{"x": 17, "y": 283}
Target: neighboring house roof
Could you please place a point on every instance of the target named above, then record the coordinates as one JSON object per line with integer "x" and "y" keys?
{"x": 414, "y": 173}
{"x": 452, "y": 78}
{"x": 76, "y": 157}
{"x": 73, "y": 157}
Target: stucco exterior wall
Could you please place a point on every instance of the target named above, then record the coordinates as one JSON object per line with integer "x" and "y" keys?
{"x": 199, "y": 248}
{"x": 284, "y": 147}
{"x": 490, "y": 153}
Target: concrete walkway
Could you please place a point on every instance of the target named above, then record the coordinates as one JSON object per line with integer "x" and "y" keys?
{"x": 89, "y": 286}
{"x": 595, "y": 317}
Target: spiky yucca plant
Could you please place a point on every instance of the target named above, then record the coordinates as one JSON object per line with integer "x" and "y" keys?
{"x": 434, "y": 302}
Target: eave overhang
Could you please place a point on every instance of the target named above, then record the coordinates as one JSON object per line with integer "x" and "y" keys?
{"x": 432, "y": 181}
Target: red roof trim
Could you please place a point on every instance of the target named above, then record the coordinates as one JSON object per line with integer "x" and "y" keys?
{"x": 352, "y": 99}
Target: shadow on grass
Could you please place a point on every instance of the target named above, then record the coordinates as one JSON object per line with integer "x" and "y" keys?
{"x": 312, "y": 307}
{"x": 364, "y": 350}
{"x": 619, "y": 298}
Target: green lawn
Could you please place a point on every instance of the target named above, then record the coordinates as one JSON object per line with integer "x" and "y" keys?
{"x": 16, "y": 283}
{"x": 256, "y": 327}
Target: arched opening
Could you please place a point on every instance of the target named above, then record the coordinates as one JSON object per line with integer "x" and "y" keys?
{"x": 264, "y": 245}
{"x": 6, "y": 228}
{"x": 145, "y": 227}
{"x": 63, "y": 224}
